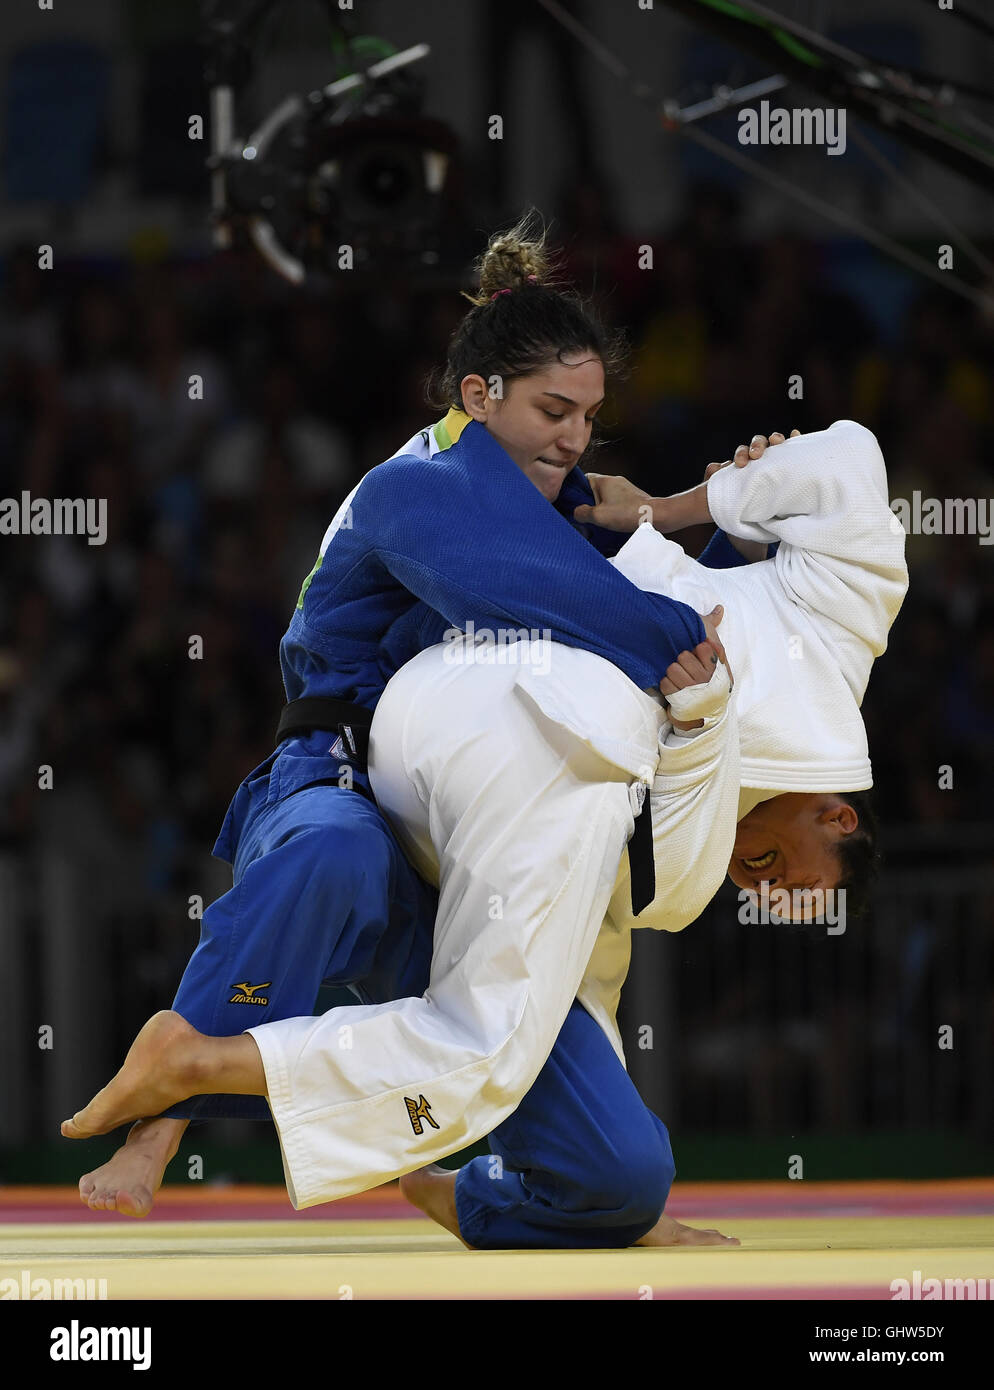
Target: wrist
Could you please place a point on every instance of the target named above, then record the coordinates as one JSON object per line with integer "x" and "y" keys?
{"x": 683, "y": 509}
{"x": 684, "y": 724}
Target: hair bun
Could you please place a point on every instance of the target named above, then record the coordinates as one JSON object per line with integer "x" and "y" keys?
{"x": 513, "y": 258}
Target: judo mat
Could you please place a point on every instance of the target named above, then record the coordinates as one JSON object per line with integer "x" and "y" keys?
{"x": 800, "y": 1240}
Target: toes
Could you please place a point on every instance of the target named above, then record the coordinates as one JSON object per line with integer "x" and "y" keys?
{"x": 135, "y": 1202}
{"x": 134, "y": 1199}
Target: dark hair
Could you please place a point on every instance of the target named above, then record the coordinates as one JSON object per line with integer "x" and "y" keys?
{"x": 858, "y": 856}
{"x": 512, "y": 335}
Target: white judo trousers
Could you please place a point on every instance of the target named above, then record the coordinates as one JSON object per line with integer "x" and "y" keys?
{"x": 514, "y": 789}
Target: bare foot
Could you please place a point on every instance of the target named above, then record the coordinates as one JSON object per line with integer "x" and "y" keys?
{"x": 129, "y": 1181}
{"x": 159, "y": 1070}
{"x": 669, "y": 1232}
{"x": 433, "y": 1191}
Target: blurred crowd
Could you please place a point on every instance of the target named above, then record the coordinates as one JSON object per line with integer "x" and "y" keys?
{"x": 217, "y": 499}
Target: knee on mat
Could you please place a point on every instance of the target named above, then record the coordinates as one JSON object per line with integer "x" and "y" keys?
{"x": 635, "y": 1181}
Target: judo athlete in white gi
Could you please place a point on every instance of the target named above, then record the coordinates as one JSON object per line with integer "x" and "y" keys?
{"x": 541, "y": 834}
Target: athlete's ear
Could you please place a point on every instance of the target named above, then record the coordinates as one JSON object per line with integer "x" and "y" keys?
{"x": 475, "y": 397}
{"x": 841, "y": 815}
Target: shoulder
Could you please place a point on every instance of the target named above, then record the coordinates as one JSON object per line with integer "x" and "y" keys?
{"x": 411, "y": 476}
{"x": 401, "y": 470}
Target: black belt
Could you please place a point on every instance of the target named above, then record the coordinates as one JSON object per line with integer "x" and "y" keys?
{"x": 352, "y": 724}
{"x": 641, "y": 860}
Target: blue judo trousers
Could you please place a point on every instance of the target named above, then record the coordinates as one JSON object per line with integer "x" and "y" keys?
{"x": 322, "y": 893}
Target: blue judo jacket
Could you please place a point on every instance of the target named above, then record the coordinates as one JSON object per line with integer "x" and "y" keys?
{"x": 466, "y": 533}
{"x": 424, "y": 544}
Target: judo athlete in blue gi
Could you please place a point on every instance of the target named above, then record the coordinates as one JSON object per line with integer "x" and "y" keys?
{"x": 454, "y": 530}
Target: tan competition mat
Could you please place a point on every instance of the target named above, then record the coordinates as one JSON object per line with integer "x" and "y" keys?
{"x": 799, "y": 1240}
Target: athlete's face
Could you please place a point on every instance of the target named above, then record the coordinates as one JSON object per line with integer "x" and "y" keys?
{"x": 790, "y": 843}
{"x": 543, "y": 421}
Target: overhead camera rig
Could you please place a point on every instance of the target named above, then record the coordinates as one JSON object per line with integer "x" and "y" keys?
{"x": 929, "y": 113}
{"x": 354, "y": 163}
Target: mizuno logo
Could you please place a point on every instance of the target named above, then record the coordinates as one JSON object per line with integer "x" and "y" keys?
{"x": 246, "y": 994}
{"x": 419, "y": 1110}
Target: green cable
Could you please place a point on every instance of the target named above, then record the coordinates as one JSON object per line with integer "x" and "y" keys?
{"x": 796, "y": 48}
{"x": 786, "y": 41}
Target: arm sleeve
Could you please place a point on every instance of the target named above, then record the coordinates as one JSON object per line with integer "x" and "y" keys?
{"x": 694, "y": 803}
{"x": 497, "y": 554}
{"x": 824, "y": 497}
